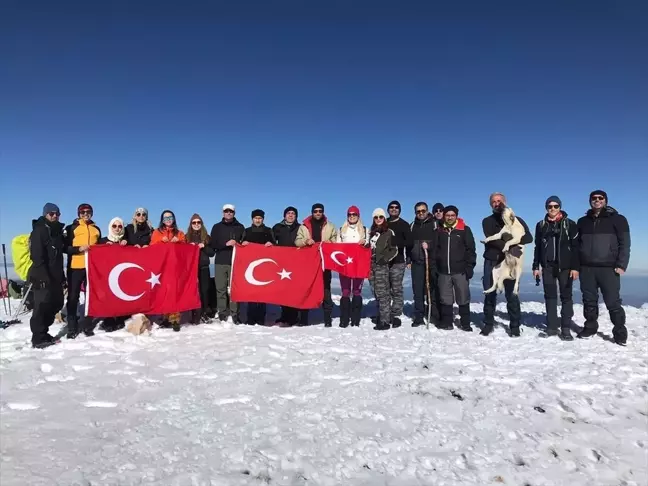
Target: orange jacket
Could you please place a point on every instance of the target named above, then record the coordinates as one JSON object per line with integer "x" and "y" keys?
{"x": 158, "y": 235}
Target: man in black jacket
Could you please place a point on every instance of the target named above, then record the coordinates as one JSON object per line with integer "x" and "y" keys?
{"x": 224, "y": 236}
{"x": 260, "y": 234}
{"x": 285, "y": 233}
{"x": 456, "y": 259}
{"x": 604, "y": 242}
{"x": 400, "y": 238}
{"x": 556, "y": 251}
{"x": 424, "y": 240}
{"x": 493, "y": 255}
{"x": 47, "y": 245}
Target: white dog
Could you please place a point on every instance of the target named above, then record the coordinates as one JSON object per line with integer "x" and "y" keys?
{"x": 511, "y": 267}
{"x": 138, "y": 324}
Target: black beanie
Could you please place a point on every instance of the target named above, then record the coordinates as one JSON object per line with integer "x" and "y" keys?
{"x": 451, "y": 208}
{"x": 258, "y": 212}
{"x": 317, "y": 206}
{"x": 599, "y": 193}
{"x": 437, "y": 206}
{"x": 394, "y": 203}
{"x": 291, "y": 208}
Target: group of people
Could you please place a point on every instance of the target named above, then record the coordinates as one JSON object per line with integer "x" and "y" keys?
{"x": 438, "y": 247}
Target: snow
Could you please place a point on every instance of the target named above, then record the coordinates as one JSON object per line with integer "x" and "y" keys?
{"x": 241, "y": 405}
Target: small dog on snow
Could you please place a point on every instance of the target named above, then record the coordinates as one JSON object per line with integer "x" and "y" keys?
{"x": 138, "y": 324}
{"x": 511, "y": 267}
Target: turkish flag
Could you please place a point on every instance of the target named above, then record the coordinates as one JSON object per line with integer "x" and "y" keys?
{"x": 349, "y": 259}
{"x": 125, "y": 280}
{"x": 277, "y": 275}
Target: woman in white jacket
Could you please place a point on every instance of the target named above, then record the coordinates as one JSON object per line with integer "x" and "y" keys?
{"x": 352, "y": 231}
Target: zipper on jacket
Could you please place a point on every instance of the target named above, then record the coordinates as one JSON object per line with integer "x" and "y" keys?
{"x": 449, "y": 242}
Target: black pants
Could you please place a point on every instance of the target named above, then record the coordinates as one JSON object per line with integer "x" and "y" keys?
{"x": 490, "y": 300}
{"x": 111, "y": 324}
{"x": 47, "y": 302}
{"x": 289, "y": 315}
{"x": 420, "y": 291}
{"x": 204, "y": 282}
{"x": 327, "y": 303}
{"x": 605, "y": 278}
{"x": 552, "y": 280}
{"x": 256, "y": 312}
{"x": 75, "y": 278}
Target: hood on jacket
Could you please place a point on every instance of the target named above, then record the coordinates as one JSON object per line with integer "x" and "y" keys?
{"x": 605, "y": 212}
{"x": 44, "y": 221}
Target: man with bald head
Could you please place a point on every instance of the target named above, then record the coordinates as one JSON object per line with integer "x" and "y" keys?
{"x": 493, "y": 255}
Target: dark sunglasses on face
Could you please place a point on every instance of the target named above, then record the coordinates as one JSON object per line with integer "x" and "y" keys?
{"x": 228, "y": 211}
{"x": 352, "y": 214}
{"x": 168, "y": 218}
{"x": 196, "y": 222}
{"x": 117, "y": 226}
{"x": 393, "y": 207}
{"x": 379, "y": 217}
{"x": 438, "y": 210}
{"x": 85, "y": 211}
{"x": 318, "y": 211}
{"x": 553, "y": 206}
{"x": 598, "y": 198}
{"x": 53, "y": 213}
{"x": 421, "y": 211}
{"x": 141, "y": 214}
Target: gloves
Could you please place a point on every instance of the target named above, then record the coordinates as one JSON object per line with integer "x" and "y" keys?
{"x": 469, "y": 273}
{"x": 506, "y": 237}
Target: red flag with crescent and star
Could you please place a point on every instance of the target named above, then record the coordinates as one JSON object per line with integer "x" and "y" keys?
{"x": 126, "y": 280}
{"x": 349, "y": 259}
{"x": 278, "y": 275}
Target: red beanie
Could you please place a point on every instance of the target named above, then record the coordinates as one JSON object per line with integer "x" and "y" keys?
{"x": 353, "y": 209}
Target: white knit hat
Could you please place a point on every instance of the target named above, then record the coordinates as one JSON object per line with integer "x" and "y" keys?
{"x": 378, "y": 212}
{"x": 229, "y": 206}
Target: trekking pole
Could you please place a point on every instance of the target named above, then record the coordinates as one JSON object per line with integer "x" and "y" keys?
{"x": 4, "y": 256}
{"x": 427, "y": 288}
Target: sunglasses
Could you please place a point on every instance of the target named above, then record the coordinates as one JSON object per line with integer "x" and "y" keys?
{"x": 379, "y": 217}
{"x": 438, "y": 210}
{"x": 227, "y": 211}
{"x": 318, "y": 211}
{"x": 53, "y": 213}
{"x": 168, "y": 218}
{"x": 85, "y": 211}
{"x": 421, "y": 211}
{"x": 352, "y": 214}
{"x": 197, "y": 223}
{"x": 553, "y": 206}
{"x": 394, "y": 207}
{"x": 117, "y": 226}
{"x": 598, "y": 198}
{"x": 141, "y": 214}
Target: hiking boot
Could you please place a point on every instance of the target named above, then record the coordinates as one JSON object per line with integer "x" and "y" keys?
{"x": 381, "y": 327}
{"x": 43, "y": 344}
{"x": 345, "y": 311}
{"x": 514, "y": 331}
{"x": 548, "y": 333}
{"x": 89, "y": 333}
{"x": 204, "y": 318}
{"x": 237, "y": 320}
{"x": 356, "y": 310}
{"x": 418, "y": 321}
{"x": 587, "y": 332}
{"x": 72, "y": 335}
{"x": 396, "y": 322}
{"x": 328, "y": 320}
{"x": 486, "y": 330}
{"x": 466, "y": 328}
{"x": 620, "y": 335}
{"x": 222, "y": 317}
{"x": 176, "y": 327}
{"x": 565, "y": 334}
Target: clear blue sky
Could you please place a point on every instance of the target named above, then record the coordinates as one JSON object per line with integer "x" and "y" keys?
{"x": 267, "y": 104}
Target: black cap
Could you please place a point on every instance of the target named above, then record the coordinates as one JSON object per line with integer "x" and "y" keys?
{"x": 599, "y": 193}
{"x": 317, "y": 206}
{"x": 291, "y": 208}
{"x": 258, "y": 212}
{"x": 451, "y": 208}
{"x": 84, "y": 207}
{"x": 394, "y": 203}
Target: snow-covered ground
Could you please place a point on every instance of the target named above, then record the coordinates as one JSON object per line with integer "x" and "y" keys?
{"x": 222, "y": 405}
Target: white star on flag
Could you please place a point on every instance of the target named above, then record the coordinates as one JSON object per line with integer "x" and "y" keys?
{"x": 154, "y": 280}
{"x": 284, "y": 274}
{"x": 349, "y": 260}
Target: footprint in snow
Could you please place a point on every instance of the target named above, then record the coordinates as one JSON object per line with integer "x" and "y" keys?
{"x": 46, "y": 368}
{"x": 93, "y": 404}
{"x": 22, "y": 406}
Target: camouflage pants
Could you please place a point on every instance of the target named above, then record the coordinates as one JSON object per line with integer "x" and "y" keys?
{"x": 379, "y": 280}
{"x": 396, "y": 275}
